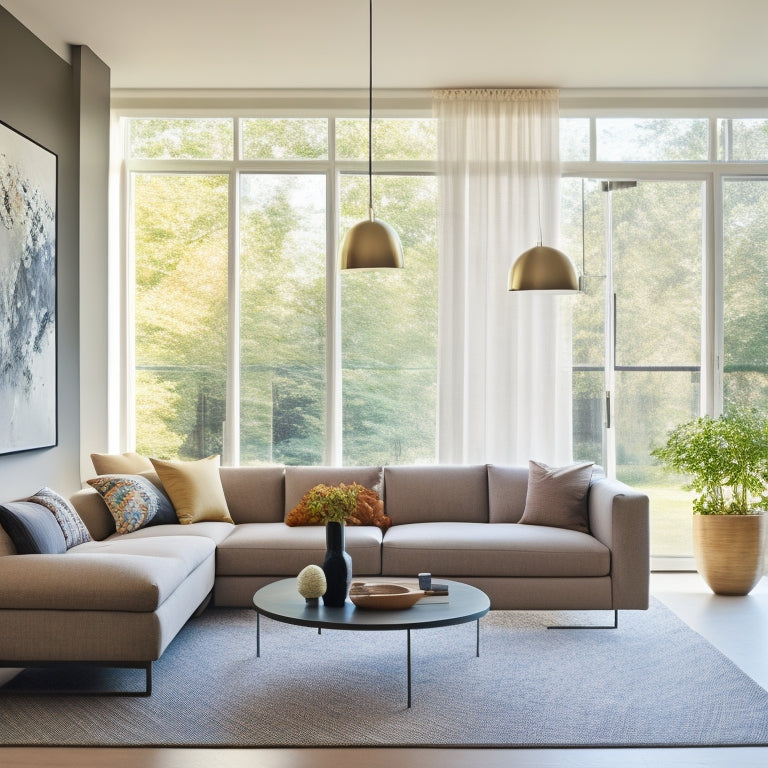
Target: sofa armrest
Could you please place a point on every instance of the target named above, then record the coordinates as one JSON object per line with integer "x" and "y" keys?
{"x": 619, "y": 518}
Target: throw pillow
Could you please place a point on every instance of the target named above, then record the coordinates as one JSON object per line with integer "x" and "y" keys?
{"x": 69, "y": 521}
{"x": 557, "y": 496}
{"x": 195, "y": 489}
{"x": 129, "y": 463}
{"x": 369, "y": 510}
{"x": 32, "y": 529}
{"x": 133, "y": 501}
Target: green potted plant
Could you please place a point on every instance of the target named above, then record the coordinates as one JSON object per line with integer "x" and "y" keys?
{"x": 726, "y": 459}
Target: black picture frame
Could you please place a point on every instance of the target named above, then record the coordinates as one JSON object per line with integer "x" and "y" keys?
{"x": 28, "y": 305}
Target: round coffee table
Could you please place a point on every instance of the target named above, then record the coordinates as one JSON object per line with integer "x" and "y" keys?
{"x": 282, "y": 602}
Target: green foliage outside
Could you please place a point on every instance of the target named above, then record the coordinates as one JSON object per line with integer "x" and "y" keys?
{"x": 180, "y": 313}
{"x": 388, "y": 319}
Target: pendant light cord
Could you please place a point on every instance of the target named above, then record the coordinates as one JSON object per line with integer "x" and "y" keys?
{"x": 370, "y": 108}
{"x": 538, "y": 198}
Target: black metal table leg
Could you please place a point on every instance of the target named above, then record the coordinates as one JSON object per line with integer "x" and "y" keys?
{"x": 409, "y": 668}
{"x": 258, "y": 635}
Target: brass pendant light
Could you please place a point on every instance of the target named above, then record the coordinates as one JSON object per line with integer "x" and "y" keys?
{"x": 371, "y": 243}
{"x": 543, "y": 269}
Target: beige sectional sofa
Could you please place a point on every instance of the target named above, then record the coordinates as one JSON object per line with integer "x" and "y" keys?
{"x": 121, "y": 598}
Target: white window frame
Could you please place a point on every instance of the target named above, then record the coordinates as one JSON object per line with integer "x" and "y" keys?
{"x": 591, "y": 104}
{"x": 712, "y": 105}
{"x": 234, "y": 105}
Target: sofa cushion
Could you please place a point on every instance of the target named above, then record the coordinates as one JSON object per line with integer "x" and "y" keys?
{"x": 275, "y": 549}
{"x": 557, "y": 496}
{"x": 195, "y": 489}
{"x": 493, "y": 550}
{"x": 32, "y": 528}
{"x": 134, "y": 501}
{"x": 298, "y": 480}
{"x": 69, "y": 521}
{"x": 213, "y": 530}
{"x": 6, "y": 543}
{"x": 93, "y": 512}
{"x": 254, "y": 494}
{"x": 119, "y": 575}
{"x": 507, "y": 488}
{"x": 418, "y": 494}
{"x": 129, "y": 463}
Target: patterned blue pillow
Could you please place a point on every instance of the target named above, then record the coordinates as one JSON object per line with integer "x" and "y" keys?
{"x": 32, "y": 529}
{"x": 69, "y": 521}
{"x": 133, "y": 501}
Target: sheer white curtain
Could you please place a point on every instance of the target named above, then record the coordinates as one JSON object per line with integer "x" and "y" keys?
{"x": 504, "y": 382}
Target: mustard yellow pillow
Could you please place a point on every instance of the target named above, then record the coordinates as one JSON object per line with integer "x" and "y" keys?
{"x": 129, "y": 463}
{"x": 194, "y": 488}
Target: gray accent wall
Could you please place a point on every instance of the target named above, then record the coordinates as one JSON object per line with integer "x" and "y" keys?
{"x": 41, "y": 98}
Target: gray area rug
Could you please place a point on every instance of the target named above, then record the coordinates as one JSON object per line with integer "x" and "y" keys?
{"x": 651, "y": 682}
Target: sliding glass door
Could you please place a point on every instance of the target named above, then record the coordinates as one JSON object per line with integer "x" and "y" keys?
{"x": 637, "y": 333}
{"x": 745, "y": 276}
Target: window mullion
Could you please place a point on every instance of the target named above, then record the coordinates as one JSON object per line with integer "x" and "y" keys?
{"x": 333, "y": 400}
{"x": 715, "y": 278}
{"x": 231, "y": 437}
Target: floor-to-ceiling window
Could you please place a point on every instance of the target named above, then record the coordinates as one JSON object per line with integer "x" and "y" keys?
{"x": 244, "y": 338}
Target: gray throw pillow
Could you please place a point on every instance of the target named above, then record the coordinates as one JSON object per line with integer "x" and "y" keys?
{"x": 32, "y": 528}
{"x": 65, "y": 514}
{"x": 557, "y": 496}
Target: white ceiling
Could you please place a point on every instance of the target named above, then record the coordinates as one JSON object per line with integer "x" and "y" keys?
{"x": 417, "y": 43}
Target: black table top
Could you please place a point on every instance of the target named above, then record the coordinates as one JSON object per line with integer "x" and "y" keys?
{"x": 281, "y": 601}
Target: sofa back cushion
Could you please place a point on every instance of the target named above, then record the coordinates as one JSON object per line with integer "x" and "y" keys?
{"x": 6, "y": 544}
{"x": 429, "y": 493}
{"x": 298, "y": 480}
{"x": 507, "y": 489}
{"x": 93, "y": 512}
{"x": 254, "y": 494}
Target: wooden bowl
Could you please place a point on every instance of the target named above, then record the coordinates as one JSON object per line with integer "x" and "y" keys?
{"x": 383, "y": 597}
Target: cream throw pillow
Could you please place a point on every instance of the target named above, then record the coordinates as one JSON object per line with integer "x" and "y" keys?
{"x": 195, "y": 489}
{"x": 557, "y": 496}
{"x": 129, "y": 463}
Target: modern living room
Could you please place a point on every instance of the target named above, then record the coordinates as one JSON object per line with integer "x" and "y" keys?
{"x": 209, "y": 160}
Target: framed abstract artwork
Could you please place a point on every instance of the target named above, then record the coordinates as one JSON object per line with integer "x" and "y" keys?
{"x": 28, "y": 397}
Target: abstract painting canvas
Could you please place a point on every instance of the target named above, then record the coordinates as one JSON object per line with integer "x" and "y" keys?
{"x": 28, "y": 417}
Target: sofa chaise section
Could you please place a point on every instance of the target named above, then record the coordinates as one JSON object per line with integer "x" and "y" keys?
{"x": 110, "y": 603}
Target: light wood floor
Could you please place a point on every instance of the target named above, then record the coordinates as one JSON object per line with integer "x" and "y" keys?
{"x": 737, "y": 626}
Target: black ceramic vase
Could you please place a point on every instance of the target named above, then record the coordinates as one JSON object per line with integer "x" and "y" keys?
{"x": 337, "y": 565}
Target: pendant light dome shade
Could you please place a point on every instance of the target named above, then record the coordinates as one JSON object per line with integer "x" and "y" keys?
{"x": 544, "y": 269}
{"x": 371, "y": 244}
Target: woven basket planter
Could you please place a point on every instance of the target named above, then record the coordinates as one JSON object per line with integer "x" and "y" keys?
{"x": 729, "y": 551}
